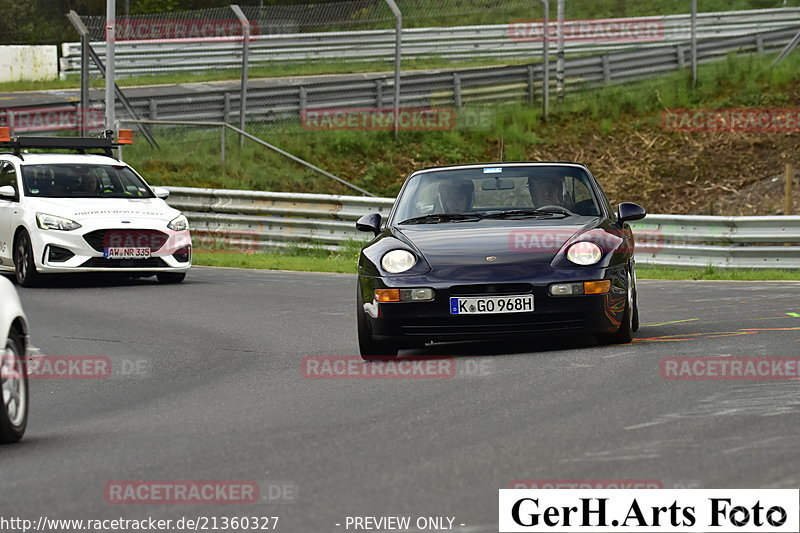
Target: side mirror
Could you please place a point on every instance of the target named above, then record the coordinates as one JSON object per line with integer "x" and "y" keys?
{"x": 629, "y": 211}
{"x": 161, "y": 192}
{"x": 371, "y": 222}
{"x": 7, "y": 192}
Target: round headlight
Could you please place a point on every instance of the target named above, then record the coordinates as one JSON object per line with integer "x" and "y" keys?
{"x": 584, "y": 253}
{"x": 398, "y": 261}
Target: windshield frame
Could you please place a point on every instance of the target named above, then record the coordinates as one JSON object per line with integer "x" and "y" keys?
{"x": 144, "y": 188}
{"x": 599, "y": 197}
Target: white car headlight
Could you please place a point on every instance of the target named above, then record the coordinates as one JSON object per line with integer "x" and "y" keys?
{"x": 179, "y": 223}
{"x": 45, "y": 221}
{"x": 584, "y": 253}
{"x": 398, "y": 261}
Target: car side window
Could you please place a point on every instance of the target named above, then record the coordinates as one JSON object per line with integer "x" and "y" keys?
{"x": 8, "y": 176}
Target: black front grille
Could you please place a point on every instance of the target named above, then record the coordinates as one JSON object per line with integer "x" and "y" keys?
{"x": 494, "y": 289}
{"x": 100, "y": 262}
{"x": 126, "y": 238}
{"x": 520, "y": 324}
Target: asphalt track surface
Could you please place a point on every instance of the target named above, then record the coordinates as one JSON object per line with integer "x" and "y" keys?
{"x": 222, "y": 397}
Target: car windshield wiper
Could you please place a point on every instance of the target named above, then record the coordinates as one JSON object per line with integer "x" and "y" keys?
{"x": 530, "y": 213}
{"x": 443, "y": 217}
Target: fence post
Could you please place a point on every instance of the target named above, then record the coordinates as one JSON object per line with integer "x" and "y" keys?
{"x": 560, "y": 54}
{"x": 788, "y": 208}
{"x": 245, "y": 60}
{"x": 111, "y": 15}
{"x": 694, "y": 44}
{"x": 84, "y": 33}
{"x": 398, "y": 49}
{"x": 546, "y": 61}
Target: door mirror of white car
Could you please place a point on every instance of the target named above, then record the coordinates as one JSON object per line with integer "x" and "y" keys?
{"x": 161, "y": 192}
{"x": 7, "y": 192}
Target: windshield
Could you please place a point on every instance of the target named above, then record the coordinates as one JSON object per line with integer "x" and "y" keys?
{"x": 83, "y": 181}
{"x": 496, "y": 191}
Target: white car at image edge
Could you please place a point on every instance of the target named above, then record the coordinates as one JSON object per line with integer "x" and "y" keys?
{"x": 14, "y": 331}
{"x": 84, "y": 212}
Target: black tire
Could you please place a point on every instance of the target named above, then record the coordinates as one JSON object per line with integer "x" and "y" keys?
{"x": 370, "y": 349}
{"x": 24, "y": 265}
{"x": 14, "y": 380}
{"x": 171, "y": 277}
{"x": 624, "y": 334}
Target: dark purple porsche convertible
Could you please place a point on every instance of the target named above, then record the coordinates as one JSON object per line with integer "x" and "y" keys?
{"x": 495, "y": 251}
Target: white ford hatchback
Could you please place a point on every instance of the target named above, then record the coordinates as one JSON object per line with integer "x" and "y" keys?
{"x": 84, "y": 212}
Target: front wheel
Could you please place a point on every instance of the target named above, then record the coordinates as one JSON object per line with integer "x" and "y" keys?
{"x": 14, "y": 414}
{"x": 370, "y": 349}
{"x": 170, "y": 277}
{"x": 24, "y": 265}
{"x": 624, "y": 334}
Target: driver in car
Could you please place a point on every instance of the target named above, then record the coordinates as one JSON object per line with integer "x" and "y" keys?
{"x": 90, "y": 185}
{"x": 546, "y": 190}
{"x": 456, "y": 196}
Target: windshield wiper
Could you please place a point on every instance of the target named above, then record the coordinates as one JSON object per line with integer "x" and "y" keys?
{"x": 529, "y": 213}
{"x": 443, "y": 217}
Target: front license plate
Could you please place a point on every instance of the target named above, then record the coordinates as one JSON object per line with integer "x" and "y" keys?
{"x": 491, "y": 305}
{"x": 127, "y": 253}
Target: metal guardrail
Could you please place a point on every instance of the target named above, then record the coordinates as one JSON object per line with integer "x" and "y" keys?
{"x": 456, "y": 88}
{"x": 135, "y": 58}
{"x": 231, "y": 220}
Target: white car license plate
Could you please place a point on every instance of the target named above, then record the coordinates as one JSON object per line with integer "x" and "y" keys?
{"x": 127, "y": 253}
{"x": 491, "y": 305}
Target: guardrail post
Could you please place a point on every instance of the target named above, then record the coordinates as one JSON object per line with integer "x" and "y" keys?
{"x": 378, "y": 94}
{"x": 680, "y": 52}
{"x": 10, "y": 119}
{"x": 226, "y": 107}
{"x": 153, "y": 109}
{"x": 457, "y": 91}
{"x": 303, "y": 100}
{"x": 531, "y": 87}
{"x": 606, "y": 69}
{"x": 788, "y": 203}
{"x": 222, "y": 146}
{"x": 760, "y": 44}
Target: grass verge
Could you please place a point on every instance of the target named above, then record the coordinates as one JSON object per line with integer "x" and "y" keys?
{"x": 324, "y": 261}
